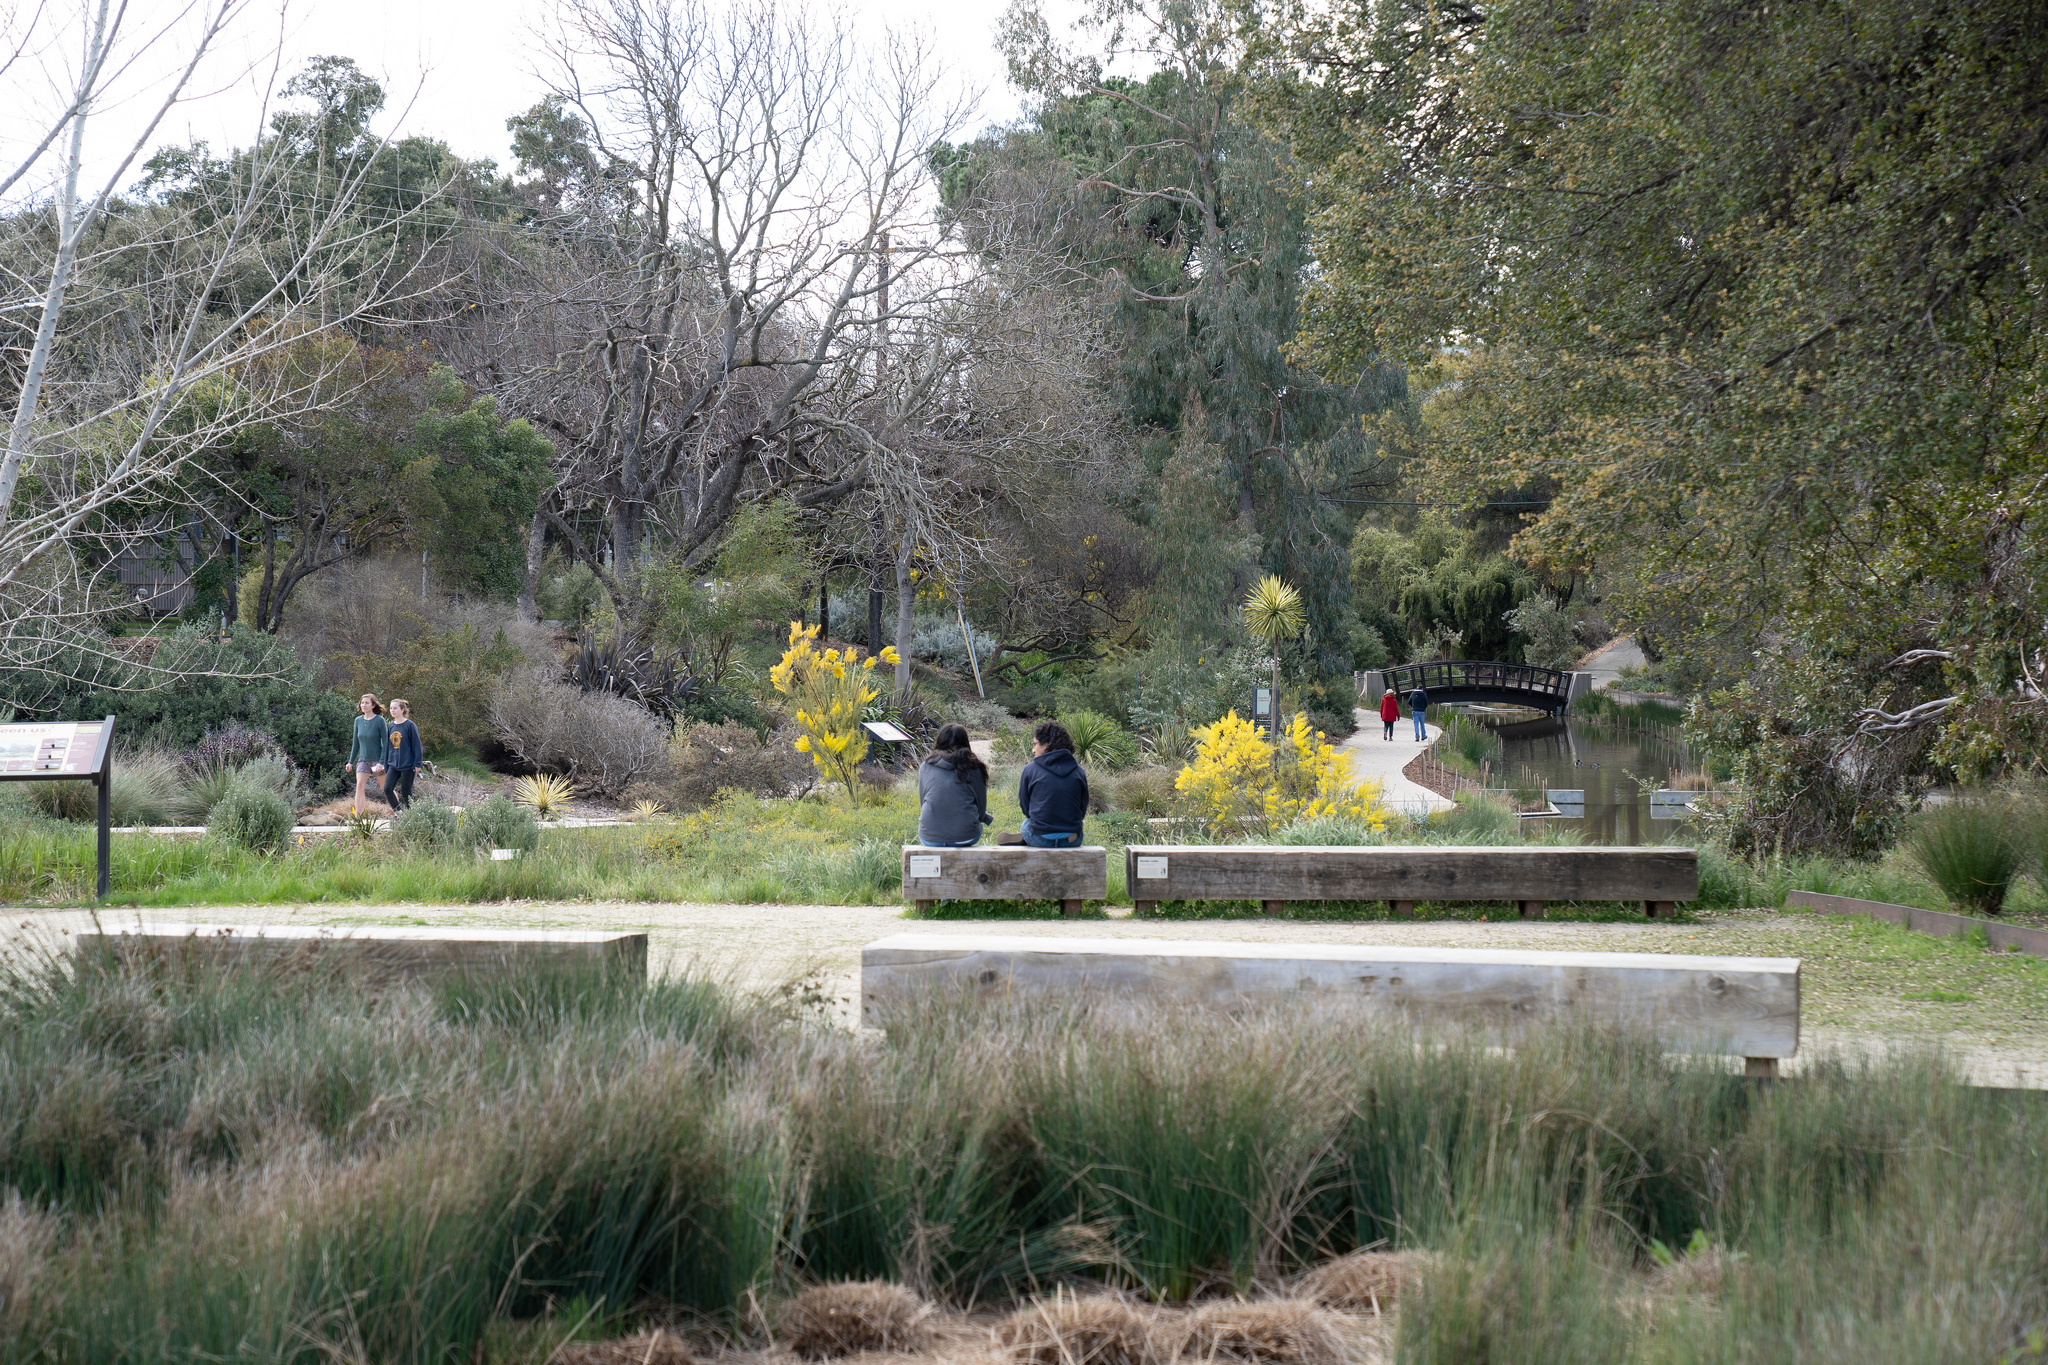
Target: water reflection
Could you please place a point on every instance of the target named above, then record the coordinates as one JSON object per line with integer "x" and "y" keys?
{"x": 1603, "y": 761}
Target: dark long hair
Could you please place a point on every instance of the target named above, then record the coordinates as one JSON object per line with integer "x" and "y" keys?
{"x": 956, "y": 748}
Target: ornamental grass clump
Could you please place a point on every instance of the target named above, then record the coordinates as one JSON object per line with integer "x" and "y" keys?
{"x": 1971, "y": 850}
{"x": 832, "y": 689}
{"x": 1082, "y": 1329}
{"x": 1269, "y": 1332}
{"x": 1237, "y": 779}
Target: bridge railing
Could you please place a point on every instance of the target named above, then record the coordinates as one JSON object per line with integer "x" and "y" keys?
{"x": 1455, "y": 674}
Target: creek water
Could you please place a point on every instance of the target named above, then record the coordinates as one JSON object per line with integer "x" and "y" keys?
{"x": 1605, "y": 762}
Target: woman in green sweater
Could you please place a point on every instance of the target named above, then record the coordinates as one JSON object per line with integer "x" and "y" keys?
{"x": 366, "y": 750}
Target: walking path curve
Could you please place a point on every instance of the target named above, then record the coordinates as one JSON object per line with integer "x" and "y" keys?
{"x": 1382, "y": 760}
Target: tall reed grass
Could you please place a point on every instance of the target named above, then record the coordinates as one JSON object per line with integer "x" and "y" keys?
{"x": 265, "y": 1167}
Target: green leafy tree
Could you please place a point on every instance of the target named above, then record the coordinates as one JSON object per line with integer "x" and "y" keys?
{"x": 476, "y": 479}
{"x": 1751, "y": 288}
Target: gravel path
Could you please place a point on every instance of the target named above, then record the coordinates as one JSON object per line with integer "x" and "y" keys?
{"x": 1990, "y": 1015}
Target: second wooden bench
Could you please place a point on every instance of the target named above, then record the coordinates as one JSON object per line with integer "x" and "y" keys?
{"x": 1659, "y": 877}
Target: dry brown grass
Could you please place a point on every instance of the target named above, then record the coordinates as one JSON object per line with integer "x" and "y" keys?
{"x": 1268, "y": 1332}
{"x": 1093, "y": 1329}
{"x": 644, "y": 1348}
{"x": 833, "y": 1320}
{"x": 1364, "y": 1281}
{"x": 1705, "y": 1273}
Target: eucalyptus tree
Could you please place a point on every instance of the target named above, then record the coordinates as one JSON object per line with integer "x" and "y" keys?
{"x": 1168, "y": 207}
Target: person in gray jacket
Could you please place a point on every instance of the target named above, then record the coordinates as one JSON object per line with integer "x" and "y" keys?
{"x": 952, "y": 792}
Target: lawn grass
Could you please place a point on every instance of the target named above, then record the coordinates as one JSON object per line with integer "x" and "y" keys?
{"x": 289, "y": 1168}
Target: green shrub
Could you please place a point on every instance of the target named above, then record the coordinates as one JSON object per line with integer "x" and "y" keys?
{"x": 1100, "y": 741}
{"x": 498, "y": 823}
{"x": 1971, "y": 850}
{"x": 251, "y": 816}
{"x": 1330, "y": 831}
{"x": 429, "y": 826}
{"x": 198, "y": 684}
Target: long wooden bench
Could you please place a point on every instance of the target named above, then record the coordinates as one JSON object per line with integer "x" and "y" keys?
{"x": 998, "y": 872}
{"x": 377, "y": 950}
{"x": 1659, "y": 877}
{"x": 1744, "y": 1006}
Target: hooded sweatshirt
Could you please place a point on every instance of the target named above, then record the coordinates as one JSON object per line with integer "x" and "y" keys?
{"x": 952, "y": 805}
{"x": 1052, "y": 791}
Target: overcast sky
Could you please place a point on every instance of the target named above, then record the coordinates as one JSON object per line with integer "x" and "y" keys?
{"x": 463, "y": 66}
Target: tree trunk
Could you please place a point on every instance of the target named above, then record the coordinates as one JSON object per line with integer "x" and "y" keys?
{"x": 906, "y": 595}
{"x": 536, "y": 549}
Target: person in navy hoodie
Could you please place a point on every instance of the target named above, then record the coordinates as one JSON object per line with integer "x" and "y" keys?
{"x": 1052, "y": 791}
{"x": 404, "y": 756}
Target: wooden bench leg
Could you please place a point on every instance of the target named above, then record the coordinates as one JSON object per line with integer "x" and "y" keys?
{"x": 1403, "y": 908}
{"x": 1273, "y": 909}
{"x": 1070, "y": 908}
{"x": 1660, "y": 909}
{"x": 925, "y": 907}
{"x": 1529, "y": 909}
{"x": 1759, "y": 1066}
{"x": 1142, "y": 908}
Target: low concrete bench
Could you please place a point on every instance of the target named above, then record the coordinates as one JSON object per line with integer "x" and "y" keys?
{"x": 1659, "y": 877}
{"x": 377, "y": 950}
{"x": 1741, "y": 1006}
{"x": 1002, "y": 872}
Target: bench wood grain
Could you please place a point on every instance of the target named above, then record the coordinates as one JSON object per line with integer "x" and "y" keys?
{"x": 1006, "y": 872}
{"x": 1657, "y": 876}
{"x": 378, "y": 950}
{"x": 1742, "y": 1006}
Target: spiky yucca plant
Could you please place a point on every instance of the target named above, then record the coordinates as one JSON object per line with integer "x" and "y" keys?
{"x": 543, "y": 793}
{"x": 1274, "y": 611}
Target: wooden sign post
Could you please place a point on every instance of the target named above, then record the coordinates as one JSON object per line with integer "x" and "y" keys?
{"x": 64, "y": 751}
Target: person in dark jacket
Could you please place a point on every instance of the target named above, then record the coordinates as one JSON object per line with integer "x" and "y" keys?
{"x": 1418, "y": 702}
{"x": 1390, "y": 711}
{"x": 1052, "y": 791}
{"x": 403, "y": 747}
{"x": 952, "y": 792}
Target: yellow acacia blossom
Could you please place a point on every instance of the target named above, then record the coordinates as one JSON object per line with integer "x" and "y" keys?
{"x": 1235, "y": 777}
{"x": 832, "y": 689}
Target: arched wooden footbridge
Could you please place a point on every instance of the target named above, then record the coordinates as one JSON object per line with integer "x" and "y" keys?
{"x": 1465, "y": 680}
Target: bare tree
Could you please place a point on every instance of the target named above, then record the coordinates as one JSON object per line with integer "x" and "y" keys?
{"x": 777, "y": 312}
{"x": 137, "y": 334}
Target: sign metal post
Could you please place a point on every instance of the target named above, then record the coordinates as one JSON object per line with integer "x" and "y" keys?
{"x": 66, "y": 751}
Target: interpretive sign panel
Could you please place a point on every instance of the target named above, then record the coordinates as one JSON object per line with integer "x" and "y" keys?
{"x": 62, "y": 751}
{"x": 52, "y": 749}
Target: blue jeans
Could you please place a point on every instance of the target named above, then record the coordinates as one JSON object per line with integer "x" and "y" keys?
{"x": 1033, "y": 839}
{"x": 964, "y": 843}
{"x": 1420, "y": 732}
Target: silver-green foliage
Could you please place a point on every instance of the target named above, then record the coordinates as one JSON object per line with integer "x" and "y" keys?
{"x": 251, "y": 815}
{"x": 498, "y": 823}
{"x": 428, "y": 826}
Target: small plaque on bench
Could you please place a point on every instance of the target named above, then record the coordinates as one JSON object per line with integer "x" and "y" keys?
{"x": 924, "y": 865}
{"x": 1151, "y": 868}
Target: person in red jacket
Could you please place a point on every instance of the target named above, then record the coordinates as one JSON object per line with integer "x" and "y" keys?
{"x": 1390, "y": 711}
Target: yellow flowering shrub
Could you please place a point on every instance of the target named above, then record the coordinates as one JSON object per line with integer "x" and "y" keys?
{"x": 832, "y": 689}
{"x": 1235, "y": 778}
